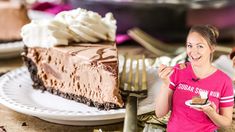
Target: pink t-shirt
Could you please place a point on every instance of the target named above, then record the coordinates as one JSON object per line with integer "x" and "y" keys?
{"x": 185, "y": 85}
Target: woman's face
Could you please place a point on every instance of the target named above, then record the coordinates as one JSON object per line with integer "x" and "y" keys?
{"x": 198, "y": 50}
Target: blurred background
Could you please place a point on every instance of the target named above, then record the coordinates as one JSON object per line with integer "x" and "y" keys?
{"x": 167, "y": 20}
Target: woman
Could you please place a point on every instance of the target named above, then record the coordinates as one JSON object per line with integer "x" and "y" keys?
{"x": 181, "y": 83}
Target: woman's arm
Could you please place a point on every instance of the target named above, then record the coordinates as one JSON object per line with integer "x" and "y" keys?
{"x": 163, "y": 100}
{"x": 221, "y": 119}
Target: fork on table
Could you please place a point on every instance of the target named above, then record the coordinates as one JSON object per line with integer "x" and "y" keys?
{"x": 133, "y": 85}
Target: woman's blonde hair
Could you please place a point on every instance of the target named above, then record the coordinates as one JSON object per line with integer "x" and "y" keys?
{"x": 209, "y": 33}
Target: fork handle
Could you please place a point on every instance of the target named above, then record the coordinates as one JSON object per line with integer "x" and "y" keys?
{"x": 130, "y": 122}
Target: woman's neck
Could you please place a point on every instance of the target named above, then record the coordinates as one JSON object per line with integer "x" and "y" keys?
{"x": 203, "y": 71}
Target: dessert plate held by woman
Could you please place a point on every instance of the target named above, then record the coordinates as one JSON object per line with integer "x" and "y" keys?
{"x": 199, "y": 101}
{"x": 189, "y": 103}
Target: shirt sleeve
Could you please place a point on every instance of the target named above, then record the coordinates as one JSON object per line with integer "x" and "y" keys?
{"x": 227, "y": 95}
{"x": 173, "y": 78}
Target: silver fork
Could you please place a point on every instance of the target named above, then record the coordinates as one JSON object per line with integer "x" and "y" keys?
{"x": 133, "y": 86}
{"x": 155, "y": 46}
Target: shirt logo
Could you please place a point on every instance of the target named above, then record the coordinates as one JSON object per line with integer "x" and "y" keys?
{"x": 196, "y": 90}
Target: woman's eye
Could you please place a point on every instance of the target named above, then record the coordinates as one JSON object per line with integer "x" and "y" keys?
{"x": 189, "y": 46}
{"x": 200, "y": 46}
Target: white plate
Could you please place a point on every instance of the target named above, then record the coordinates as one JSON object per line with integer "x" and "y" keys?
{"x": 188, "y": 103}
{"x": 11, "y": 49}
{"x": 16, "y": 92}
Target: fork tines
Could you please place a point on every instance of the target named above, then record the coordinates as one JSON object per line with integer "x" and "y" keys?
{"x": 133, "y": 82}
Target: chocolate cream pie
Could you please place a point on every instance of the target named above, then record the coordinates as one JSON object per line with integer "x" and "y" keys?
{"x": 201, "y": 99}
{"x": 13, "y": 17}
{"x": 74, "y": 56}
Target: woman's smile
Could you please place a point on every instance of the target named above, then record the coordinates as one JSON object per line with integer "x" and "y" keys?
{"x": 196, "y": 58}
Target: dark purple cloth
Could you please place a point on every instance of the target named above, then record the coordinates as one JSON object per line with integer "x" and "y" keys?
{"x": 51, "y": 7}
{"x": 222, "y": 18}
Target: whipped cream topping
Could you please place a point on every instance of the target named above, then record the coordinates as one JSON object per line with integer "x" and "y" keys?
{"x": 203, "y": 94}
{"x": 45, "y": 34}
{"x": 77, "y": 25}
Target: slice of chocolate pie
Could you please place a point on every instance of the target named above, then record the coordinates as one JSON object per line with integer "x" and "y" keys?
{"x": 87, "y": 73}
{"x": 197, "y": 100}
{"x": 69, "y": 57}
{"x": 201, "y": 99}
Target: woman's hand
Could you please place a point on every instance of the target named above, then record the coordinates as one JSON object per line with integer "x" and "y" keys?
{"x": 223, "y": 118}
{"x": 164, "y": 73}
{"x": 209, "y": 109}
